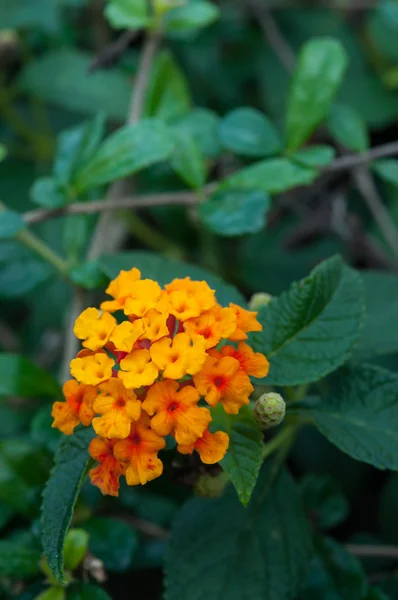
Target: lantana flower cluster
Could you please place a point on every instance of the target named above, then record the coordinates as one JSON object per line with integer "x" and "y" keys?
{"x": 140, "y": 379}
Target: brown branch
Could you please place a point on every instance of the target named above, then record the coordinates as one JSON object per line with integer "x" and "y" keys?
{"x": 349, "y": 161}
{"x": 374, "y": 551}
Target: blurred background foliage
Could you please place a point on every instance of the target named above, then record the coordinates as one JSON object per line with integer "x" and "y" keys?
{"x": 61, "y": 64}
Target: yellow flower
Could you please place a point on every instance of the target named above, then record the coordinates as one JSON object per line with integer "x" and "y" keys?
{"x": 144, "y": 295}
{"x": 94, "y": 328}
{"x": 138, "y": 369}
{"x": 118, "y": 407}
{"x": 155, "y": 325}
{"x": 179, "y": 356}
{"x": 119, "y": 289}
{"x": 78, "y": 407}
{"x": 126, "y": 334}
{"x": 92, "y": 369}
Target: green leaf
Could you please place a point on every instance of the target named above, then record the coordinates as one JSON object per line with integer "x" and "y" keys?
{"x": 319, "y": 73}
{"x": 360, "y": 415}
{"x": 248, "y": 132}
{"x": 202, "y": 124}
{"x": 17, "y": 561}
{"x": 6, "y": 513}
{"x": 129, "y": 150}
{"x": 334, "y": 573}
{"x": 46, "y": 192}
{"x": 347, "y": 127}
{"x": 75, "y": 235}
{"x": 244, "y": 456}
{"x": 314, "y": 156}
{"x": 387, "y": 169}
{"x": 273, "y": 175}
{"x": 52, "y": 593}
{"x": 187, "y": 160}
{"x": 41, "y": 431}
{"x": 75, "y": 548}
{"x": 163, "y": 270}
{"x": 228, "y": 552}
{"x": 235, "y": 212}
{"x": 190, "y": 17}
{"x": 11, "y": 223}
{"x": 310, "y": 330}
{"x": 21, "y": 14}
{"x": 88, "y": 275}
{"x": 324, "y": 500}
{"x": 20, "y": 377}
{"x": 53, "y": 76}
{"x": 377, "y": 335}
{"x": 86, "y": 591}
{"x": 20, "y": 272}
{"x": 125, "y": 14}
{"x": 112, "y": 542}
{"x": 59, "y": 497}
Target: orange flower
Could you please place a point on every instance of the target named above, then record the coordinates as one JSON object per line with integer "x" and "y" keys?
{"x": 224, "y": 381}
{"x": 176, "y": 411}
{"x": 126, "y": 334}
{"x": 78, "y": 407}
{"x": 140, "y": 451}
{"x": 119, "y": 289}
{"x": 212, "y": 447}
{"x": 252, "y": 363}
{"x": 188, "y": 298}
{"x": 144, "y": 295}
{"x": 107, "y": 474}
{"x": 92, "y": 369}
{"x": 246, "y": 321}
{"x": 215, "y": 324}
{"x": 137, "y": 369}
{"x": 178, "y": 356}
{"x": 94, "y": 328}
{"x": 118, "y": 407}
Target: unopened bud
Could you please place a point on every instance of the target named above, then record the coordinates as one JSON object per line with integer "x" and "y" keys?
{"x": 269, "y": 410}
{"x": 209, "y": 486}
{"x": 259, "y": 300}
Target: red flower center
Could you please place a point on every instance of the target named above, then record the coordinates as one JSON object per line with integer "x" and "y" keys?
{"x": 172, "y": 407}
{"x": 219, "y": 381}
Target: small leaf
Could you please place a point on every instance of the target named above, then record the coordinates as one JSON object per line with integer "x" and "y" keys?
{"x": 131, "y": 149}
{"x": 273, "y": 175}
{"x": 112, "y": 542}
{"x": 235, "y": 212}
{"x": 47, "y": 193}
{"x": 187, "y": 160}
{"x": 323, "y": 500}
{"x": 125, "y": 14}
{"x": 202, "y": 124}
{"x": 75, "y": 548}
{"x": 360, "y": 416}
{"x": 20, "y": 377}
{"x": 244, "y": 456}
{"x": 59, "y": 497}
{"x": 11, "y": 223}
{"x": 314, "y": 156}
{"x": 387, "y": 169}
{"x": 348, "y": 127}
{"x": 52, "y": 593}
{"x": 319, "y": 73}
{"x": 88, "y": 275}
{"x": 310, "y": 330}
{"x": 190, "y": 17}
{"x": 248, "y": 132}
{"x": 17, "y": 561}
{"x": 228, "y": 552}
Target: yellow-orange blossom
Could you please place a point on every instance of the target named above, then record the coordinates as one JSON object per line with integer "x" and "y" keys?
{"x": 141, "y": 379}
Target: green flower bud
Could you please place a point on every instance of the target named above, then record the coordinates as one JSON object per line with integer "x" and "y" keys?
{"x": 257, "y": 301}
{"x": 269, "y": 410}
{"x": 210, "y": 486}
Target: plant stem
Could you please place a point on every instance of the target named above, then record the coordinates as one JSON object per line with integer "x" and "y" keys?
{"x": 283, "y": 438}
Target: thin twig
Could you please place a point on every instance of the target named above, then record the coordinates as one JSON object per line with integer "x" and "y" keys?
{"x": 109, "y": 55}
{"x": 374, "y": 551}
{"x": 350, "y": 161}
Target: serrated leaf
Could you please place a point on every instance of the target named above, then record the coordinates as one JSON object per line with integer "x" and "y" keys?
{"x": 387, "y": 169}
{"x": 273, "y": 175}
{"x": 248, "y": 132}
{"x": 11, "y": 223}
{"x": 334, "y": 573}
{"x": 347, "y": 127}
{"x": 323, "y": 500}
{"x": 360, "y": 416}
{"x": 187, "y": 160}
{"x": 319, "y": 73}
{"x": 163, "y": 270}
{"x": 310, "y": 330}
{"x": 125, "y": 14}
{"x": 72, "y": 463}
{"x": 244, "y": 456}
{"x": 235, "y": 212}
{"x": 17, "y": 561}
{"x": 190, "y": 17}
{"x": 129, "y": 150}
{"x": 228, "y": 552}
{"x": 314, "y": 156}
{"x": 20, "y": 377}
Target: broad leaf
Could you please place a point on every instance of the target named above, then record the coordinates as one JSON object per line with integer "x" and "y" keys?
{"x": 244, "y": 456}
{"x": 387, "y": 169}
{"x": 323, "y": 500}
{"x": 11, "y": 223}
{"x": 248, "y": 132}
{"x": 319, "y": 73}
{"x": 163, "y": 270}
{"x": 188, "y": 161}
{"x": 235, "y": 212}
{"x": 348, "y": 127}
{"x": 273, "y": 175}
{"x": 190, "y": 17}
{"x": 125, "y": 14}
{"x": 228, "y": 552}
{"x": 130, "y": 149}
{"x": 72, "y": 463}
{"x": 17, "y": 561}
{"x": 360, "y": 416}
{"x": 310, "y": 330}
{"x": 314, "y": 156}
{"x": 20, "y": 377}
